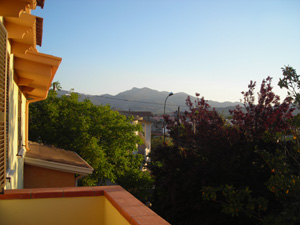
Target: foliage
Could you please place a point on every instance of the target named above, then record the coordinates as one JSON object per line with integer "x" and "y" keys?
{"x": 157, "y": 141}
{"x": 245, "y": 168}
{"x": 265, "y": 118}
{"x": 101, "y": 136}
{"x": 291, "y": 82}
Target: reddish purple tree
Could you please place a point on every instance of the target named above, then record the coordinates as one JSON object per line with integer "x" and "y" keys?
{"x": 241, "y": 166}
{"x": 267, "y": 116}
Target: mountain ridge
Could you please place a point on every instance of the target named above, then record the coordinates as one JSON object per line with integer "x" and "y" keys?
{"x": 147, "y": 99}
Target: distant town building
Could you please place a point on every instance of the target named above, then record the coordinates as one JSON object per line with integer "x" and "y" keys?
{"x": 146, "y": 122}
{"x": 144, "y": 114}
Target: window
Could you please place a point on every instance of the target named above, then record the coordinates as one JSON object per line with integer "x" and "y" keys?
{"x": 3, "y": 134}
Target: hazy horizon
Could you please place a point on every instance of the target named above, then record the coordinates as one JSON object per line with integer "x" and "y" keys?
{"x": 143, "y": 88}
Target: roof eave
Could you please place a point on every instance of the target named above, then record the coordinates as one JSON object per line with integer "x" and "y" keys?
{"x": 14, "y": 8}
{"x": 38, "y": 70}
{"x": 58, "y": 166}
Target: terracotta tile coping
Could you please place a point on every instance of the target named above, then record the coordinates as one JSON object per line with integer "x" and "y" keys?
{"x": 134, "y": 211}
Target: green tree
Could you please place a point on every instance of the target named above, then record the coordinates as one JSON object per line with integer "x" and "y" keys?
{"x": 291, "y": 82}
{"x": 106, "y": 139}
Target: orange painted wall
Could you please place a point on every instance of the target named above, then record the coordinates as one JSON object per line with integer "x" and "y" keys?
{"x": 38, "y": 177}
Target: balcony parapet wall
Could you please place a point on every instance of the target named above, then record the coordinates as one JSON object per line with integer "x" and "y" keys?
{"x": 134, "y": 211}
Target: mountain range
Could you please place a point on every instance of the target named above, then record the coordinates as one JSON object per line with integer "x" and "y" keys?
{"x": 146, "y": 99}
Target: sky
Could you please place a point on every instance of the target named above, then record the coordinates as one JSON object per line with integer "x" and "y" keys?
{"x": 210, "y": 47}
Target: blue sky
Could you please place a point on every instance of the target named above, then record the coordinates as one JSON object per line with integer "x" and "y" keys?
{"x": 212, "y": 47}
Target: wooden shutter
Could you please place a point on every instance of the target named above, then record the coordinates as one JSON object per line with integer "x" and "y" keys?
{"x": 7, "y": 110}
{"x": 19, "y": 120}
{"x": 3, "y": 63}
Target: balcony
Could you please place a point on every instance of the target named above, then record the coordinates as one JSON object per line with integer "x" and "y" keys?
{"x": 104, "y": 205}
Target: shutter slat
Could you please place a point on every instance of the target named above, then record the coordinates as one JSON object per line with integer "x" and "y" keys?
{"x": 3, "y": 75}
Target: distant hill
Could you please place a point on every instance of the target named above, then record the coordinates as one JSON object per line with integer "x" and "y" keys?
{"x": 146, "y": 99}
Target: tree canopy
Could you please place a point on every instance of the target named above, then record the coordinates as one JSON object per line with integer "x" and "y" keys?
{"x": 291, "y": 82}
{"x": 239, "y": 171}
{"x": 106, "y": 139}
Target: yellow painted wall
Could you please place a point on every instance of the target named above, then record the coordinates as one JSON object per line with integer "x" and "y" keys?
{"x": 60, "y": 211}
{"x": 112, "y": 215}
{"x": 16, "y": 163}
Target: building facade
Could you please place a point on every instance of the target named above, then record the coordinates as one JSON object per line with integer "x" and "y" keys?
{"x": 25, "y": 77}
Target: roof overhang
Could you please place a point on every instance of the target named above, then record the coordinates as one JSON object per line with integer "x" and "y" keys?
{"x": 26, "y": 30}
{"x": 34, "y": 73}
{"x": 145, "y": 121}
{"x": 40, "y": 3}
{"x": 58, "y": 166}
{"x": 13, "y": 8}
